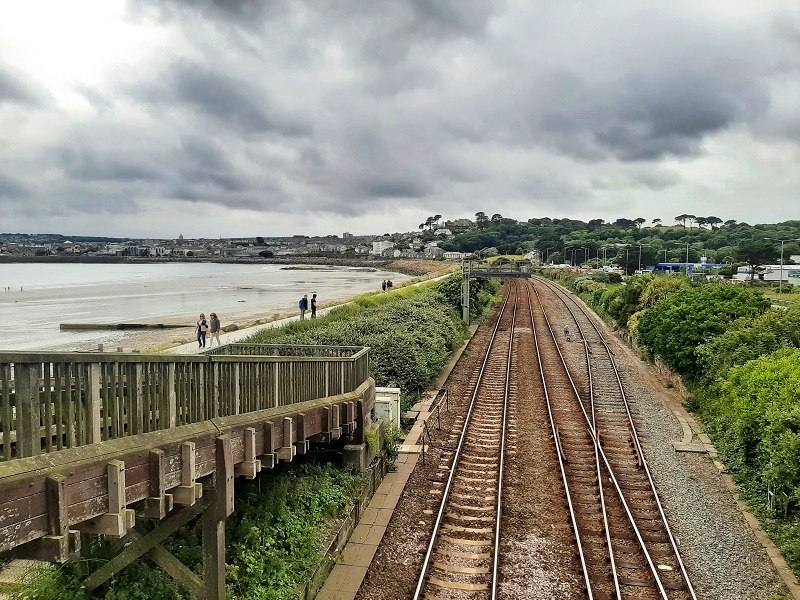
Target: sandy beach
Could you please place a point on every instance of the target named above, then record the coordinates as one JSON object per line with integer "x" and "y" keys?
{"x": 36, "y": 298}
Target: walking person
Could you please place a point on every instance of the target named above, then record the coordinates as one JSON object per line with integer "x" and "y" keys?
{"x": 383, "y": 285}
{"x": 313, "y": 306}
{"x": 303, "y": 306}
{"x": 389, "y": 284}
{"x": 202, "y": 328}
{"x": 213, "y": 328}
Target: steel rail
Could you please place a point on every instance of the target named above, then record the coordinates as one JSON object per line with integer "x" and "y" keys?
{"x": 496, "y": 558}
{"x": 603, "y": 508}
{"x": 561, "y": 460}
{"x": 456, "y": 456}
{"x": 635, "y": 434}
{"x": 612, "y": 476}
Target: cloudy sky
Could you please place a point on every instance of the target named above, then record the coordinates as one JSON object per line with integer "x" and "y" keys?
{"x": 223, "y": 118}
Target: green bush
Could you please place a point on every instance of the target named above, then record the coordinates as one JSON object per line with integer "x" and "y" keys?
{"x": 411, "y": 333}
{"x": 674, "y": 327}
{"x": 748, "y": 339}
{"x": 274, "y": 541}
{"x": 754, "y": 413}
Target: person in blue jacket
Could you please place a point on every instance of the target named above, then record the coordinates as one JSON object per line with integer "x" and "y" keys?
{"x": 303, "y": 306}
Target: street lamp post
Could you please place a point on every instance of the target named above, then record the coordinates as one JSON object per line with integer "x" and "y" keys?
{"x": 640, "y": 256}
{"x": 546, "y": 252}
{"x": 780, "y": 280}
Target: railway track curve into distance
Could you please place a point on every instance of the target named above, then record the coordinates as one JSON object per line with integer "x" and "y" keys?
{"x": 462, "y": 558}
{"x": 625, "y": 545}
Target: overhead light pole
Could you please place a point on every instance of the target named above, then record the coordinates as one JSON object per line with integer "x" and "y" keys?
{"x": 780, "y": 280}
{"x": 640, "y": 256}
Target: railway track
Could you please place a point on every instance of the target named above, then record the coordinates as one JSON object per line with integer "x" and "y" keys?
{"x": 463, "y": 554}
{"x": 625, "y": 546}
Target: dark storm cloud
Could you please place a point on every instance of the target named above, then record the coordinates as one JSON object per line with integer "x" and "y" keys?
{"x": 11, "y": 188}
{"x": 15, "y": 89}
{"x": 353, "y": 108}
{"x": 233, "y": 101}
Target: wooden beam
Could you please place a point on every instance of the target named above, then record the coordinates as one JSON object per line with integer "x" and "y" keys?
{"x": 143, "y": 545}
{"x": 173, "y": 567}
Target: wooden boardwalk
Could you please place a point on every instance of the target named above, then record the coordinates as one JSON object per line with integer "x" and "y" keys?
{"x": 91, "y": 442}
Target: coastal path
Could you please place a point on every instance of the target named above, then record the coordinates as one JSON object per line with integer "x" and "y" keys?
{"x": 92, "y": 443}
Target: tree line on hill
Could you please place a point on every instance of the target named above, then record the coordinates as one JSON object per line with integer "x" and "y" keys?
{"x": 628, "y": 242}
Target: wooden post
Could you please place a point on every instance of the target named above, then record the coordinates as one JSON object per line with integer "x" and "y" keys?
{"x": 119, "y": 519}
{"x": 159, "y": 503}
{"x": 288, "y": 450}
{"x": 250, "y": 466}
{"x": 214, "y": 521}
{"x": 269, "y": 458}
{"x": 188, "y": 491}
{"x": 95, "y": 426}
{"x": 236, "y": 390}
{"x": 26, "y": 380}
{"x": 361, "y": 422}
{"x": 301, "y": 443}
{"x": 172, "y": 397}
{"x": 214, "y": 548}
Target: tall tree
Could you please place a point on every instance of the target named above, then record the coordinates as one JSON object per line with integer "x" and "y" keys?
{"x": 730, "y": 223}
{"x": 701, "y": 221}
{"x": 481, "y": 219}
{"x": 497, "y": 217}
{"x": 624, "y": 223}
{"x": 436, "y": 219}
{"x": 713, "y": 222}
{"x": 756, "y": 254}
{"x": 656, "y": 222}
{"x": 595, "y": 223}
{"x": 682, "y": 219}
{"x": 639, "y": 222}
{"x": 691, "y": 219}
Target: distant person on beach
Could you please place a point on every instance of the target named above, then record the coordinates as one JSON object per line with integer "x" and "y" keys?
{"x": 213, "y": 328}
{"x": 389, "y": 284}
{"x": 383, "y": 285}
{"x": 202, "y": 328}
{"x": 303, "y": 306}
{"x": 313, "y": 306}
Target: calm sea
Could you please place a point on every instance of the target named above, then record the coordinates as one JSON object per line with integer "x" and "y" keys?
{"x": 35, "y": 298}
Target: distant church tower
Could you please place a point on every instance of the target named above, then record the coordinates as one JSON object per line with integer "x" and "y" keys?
{"x": 180, "y": 240}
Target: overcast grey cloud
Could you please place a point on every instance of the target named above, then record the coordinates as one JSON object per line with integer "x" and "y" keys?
{"x": 294, "y": 116}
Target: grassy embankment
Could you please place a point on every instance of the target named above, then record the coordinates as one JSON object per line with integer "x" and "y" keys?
{"x": 275, "y": 537}
{"x": 740, "y": 360}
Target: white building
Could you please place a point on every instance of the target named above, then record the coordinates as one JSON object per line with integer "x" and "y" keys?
{"x": 379, "y": 246}
{"x": 453, "y": 255}
{"x": 443, "y": 231}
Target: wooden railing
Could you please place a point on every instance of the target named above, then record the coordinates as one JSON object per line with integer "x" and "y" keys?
{"x": 57, "y": 400}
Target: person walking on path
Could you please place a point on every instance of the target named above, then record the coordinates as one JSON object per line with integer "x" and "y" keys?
{"x": 383, "y": 285}
{"x": 303, "y": 306}
{"x": 389, "y": 284}
{"x": 313, "y": 306}
{"x": 213, "y": 328}
{"x": 202, "y": 328}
